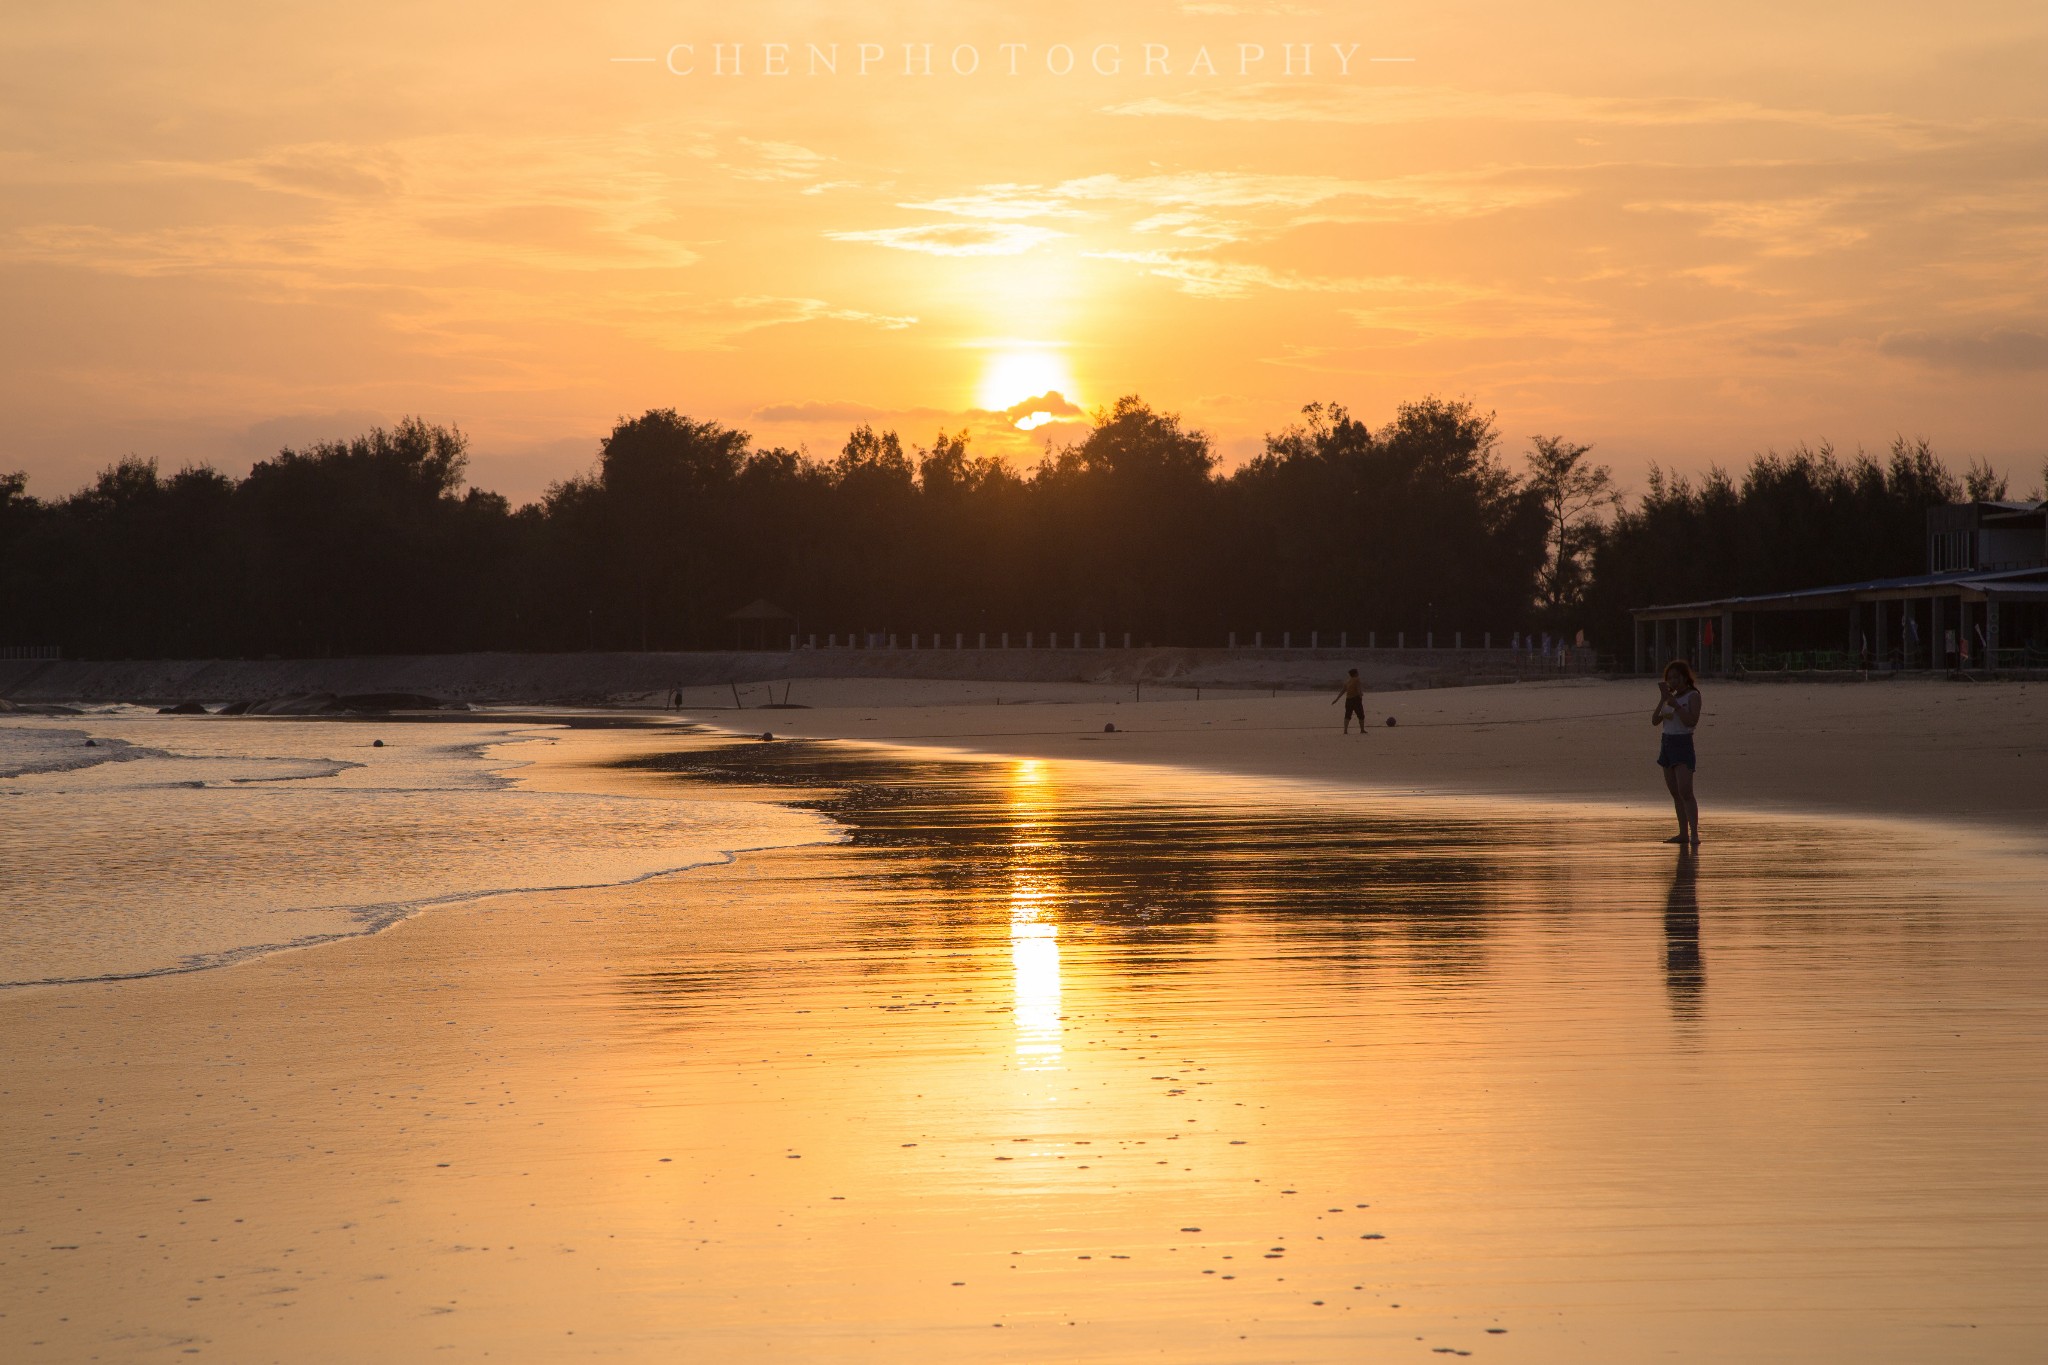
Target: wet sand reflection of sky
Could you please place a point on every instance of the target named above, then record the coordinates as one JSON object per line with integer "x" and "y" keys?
{"x": 1462, "y": 1057}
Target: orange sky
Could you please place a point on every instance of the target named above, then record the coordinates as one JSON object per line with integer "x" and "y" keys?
{"x": 1684, "y": 233}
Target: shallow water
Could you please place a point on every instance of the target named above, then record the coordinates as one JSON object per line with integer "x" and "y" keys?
{"x": 178, "y": 843}
{"x": 1086, "y": 1062}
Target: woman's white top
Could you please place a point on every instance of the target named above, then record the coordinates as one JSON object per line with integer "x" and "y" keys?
{"x": 1674, "y": 724}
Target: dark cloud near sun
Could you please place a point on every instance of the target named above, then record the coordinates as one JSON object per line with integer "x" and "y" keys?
{"x": 1052, "y": 402}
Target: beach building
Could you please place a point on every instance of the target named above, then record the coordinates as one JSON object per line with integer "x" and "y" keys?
{"x": 1982, "y": 604}
{"x": 761, "y": 625}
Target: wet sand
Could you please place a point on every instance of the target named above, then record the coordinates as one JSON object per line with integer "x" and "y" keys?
{"x": 1970, "y": 752}
{"x": 1057, "y": 1059}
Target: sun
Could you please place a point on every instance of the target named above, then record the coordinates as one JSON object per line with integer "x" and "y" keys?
{"x": 1015, "y": 373}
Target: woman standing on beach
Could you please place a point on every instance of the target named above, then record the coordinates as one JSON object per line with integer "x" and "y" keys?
{"x": 1678, "y": 711}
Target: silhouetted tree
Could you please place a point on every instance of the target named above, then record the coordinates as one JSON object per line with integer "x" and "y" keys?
{"x": 375, "y": 544}
{"x": 1573, "y": 495}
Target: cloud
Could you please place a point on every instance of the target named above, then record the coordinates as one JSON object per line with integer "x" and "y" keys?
{"x": 1998, "y": 350}
{"x": 330, "y": 170}
{"x": 1214, "y": 189}
{"x": 1047, "y": 407}
{"x": 1000, "y": 202}
{"x": 1209, "y": 278}
{"x": 816, "y": 411}
{"x": 1216, "y": 9}
{"x": 955, "y": 239}
{"x": 779, "y": 161}
{"x": 770, "y": 311}
{"x": 1392, "y": 104}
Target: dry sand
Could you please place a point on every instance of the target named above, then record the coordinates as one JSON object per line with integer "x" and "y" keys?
{"x": 1974, "y": 753}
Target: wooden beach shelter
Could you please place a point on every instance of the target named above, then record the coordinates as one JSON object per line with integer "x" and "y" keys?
{"x": 761, "y": 625}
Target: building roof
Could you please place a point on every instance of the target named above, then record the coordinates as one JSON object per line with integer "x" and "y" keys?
{"x": 2004, "y": 584}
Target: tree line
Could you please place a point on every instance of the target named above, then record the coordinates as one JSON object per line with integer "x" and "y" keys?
{"x": 1421, "y": 524}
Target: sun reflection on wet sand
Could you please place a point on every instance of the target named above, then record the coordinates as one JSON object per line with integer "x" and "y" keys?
{"x": 1034, "y": 934}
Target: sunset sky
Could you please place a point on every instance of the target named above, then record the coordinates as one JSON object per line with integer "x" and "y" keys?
{"x": 1683, "y": 233}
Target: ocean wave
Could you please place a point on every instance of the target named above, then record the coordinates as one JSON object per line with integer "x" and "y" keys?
{"x": 207, "y": 844}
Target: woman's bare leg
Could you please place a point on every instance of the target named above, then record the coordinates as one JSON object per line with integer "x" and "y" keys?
{"x": 1688, "y": 805}
{"x": 1671, "y": 784}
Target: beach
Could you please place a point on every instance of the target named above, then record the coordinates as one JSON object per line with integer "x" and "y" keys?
{"x": 1975, "y": 753}
{"x": 1219, "y": 1036}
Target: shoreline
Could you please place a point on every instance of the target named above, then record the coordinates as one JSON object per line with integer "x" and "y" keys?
{"x": 1911, "y": 751}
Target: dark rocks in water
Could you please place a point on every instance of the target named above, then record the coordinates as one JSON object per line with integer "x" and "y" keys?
{"x": 332, "y": 704}
{"x": 6, "y": 706}
{"x": 394, "y": 701}
{"x": 183, "y": 708}
{"x": 235, "y": 708}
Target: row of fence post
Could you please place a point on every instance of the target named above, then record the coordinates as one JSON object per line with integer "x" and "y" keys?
{"x": 958, "y": 640}
{"x": 1519, "y": 642}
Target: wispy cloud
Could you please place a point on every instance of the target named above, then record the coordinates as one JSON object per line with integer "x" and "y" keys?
{"x": 819, "y": 410}
{"x": 779, "y": 161}
{"x": 955, "y": 239}
{"x": 1997, "y": 350}
{"x": 1271, "y": 102}
{"x": 1002, "y": 202}
{"x": 764, "y": 311}
{"x": 1212, "y": 278}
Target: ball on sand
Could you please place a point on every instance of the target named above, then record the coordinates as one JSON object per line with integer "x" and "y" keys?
{"x": 767, "y": 734}
{"x": 376, "y": 744}
{"x": 1390, "y": 722}
{"x": 1109, "y": 729}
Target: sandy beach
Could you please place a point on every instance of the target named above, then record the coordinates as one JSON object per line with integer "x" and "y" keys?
{"x": 1219, "y": 1037}
{"x": 1970, "y": 753}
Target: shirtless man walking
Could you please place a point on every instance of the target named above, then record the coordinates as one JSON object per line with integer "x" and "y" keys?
{"x": 1354, "y": 701}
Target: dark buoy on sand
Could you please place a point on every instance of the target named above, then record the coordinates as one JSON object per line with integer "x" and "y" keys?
{"x": 1110, "y": 728}
{"x": 92, "y": 744}
{"x": 1390, "y": 722}
{"x": 376, "y": 744}
{"x": 767, "y": 735}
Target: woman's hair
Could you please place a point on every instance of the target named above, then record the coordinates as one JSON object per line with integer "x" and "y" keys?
{"x": 1685, "y": 671}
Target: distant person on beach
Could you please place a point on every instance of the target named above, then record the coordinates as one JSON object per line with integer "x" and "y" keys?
{"x": 1678, "y": 712}
{"x": 1354, "y": 701}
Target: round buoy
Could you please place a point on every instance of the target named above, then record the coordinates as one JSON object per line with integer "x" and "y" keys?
{"x": 1109, "y": 729}
{"x": 376, "y": 744}
{"x": 1390, "y": 722}
{"x": 92, "y": 744}
{"x": 767, "y": 735}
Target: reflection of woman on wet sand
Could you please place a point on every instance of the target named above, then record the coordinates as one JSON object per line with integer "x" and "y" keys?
{"x": 1685, "y": 973}
{"x": 1678, "y": 711}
